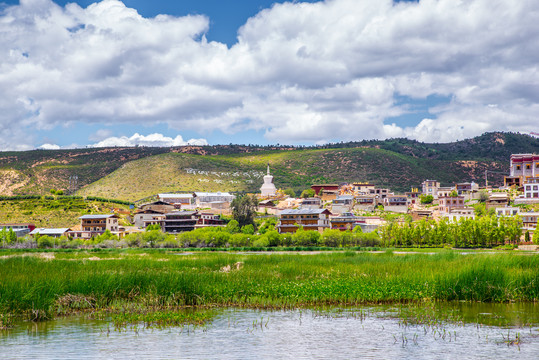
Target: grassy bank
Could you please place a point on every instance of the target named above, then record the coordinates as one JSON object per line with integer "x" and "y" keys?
{"x": 41, "y": 285}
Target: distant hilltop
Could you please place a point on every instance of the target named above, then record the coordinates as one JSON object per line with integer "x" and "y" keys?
{"x": 131, "y": 173}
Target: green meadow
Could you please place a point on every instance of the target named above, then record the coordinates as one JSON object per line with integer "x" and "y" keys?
{"x": 41, "y": 285}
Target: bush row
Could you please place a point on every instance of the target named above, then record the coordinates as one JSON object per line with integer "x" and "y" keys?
{"x": 487, "y": 231}
{"x": 216, "y": 237}
{"x": 114, "y": 201}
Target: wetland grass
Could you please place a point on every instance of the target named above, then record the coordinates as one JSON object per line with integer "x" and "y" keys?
{"x": 41, "y": 287}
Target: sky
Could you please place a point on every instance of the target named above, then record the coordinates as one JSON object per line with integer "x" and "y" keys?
{"x": 170, "y": 73}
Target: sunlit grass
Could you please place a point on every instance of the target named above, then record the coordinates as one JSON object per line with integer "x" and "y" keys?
{"x": 42, "y": 286}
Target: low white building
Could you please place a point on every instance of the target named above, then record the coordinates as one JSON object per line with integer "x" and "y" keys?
{"x": 458, "y": 214}
{"x": 531, "y": 189}
{"x": 218, "y": 200}
{"x": 507, "y": 211}
{"x": 50, "y": 232}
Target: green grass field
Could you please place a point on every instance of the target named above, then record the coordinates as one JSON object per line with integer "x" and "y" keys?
{"x": 52, "y": 213}
{"x": 42, "y": 285}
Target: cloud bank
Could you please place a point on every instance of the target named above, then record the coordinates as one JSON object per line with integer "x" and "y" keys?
{"x": 150, "y": 140}
{"x": 300, "y": 72}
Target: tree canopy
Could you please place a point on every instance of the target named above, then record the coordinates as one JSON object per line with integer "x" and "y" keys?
{"x": 244, "y": 210}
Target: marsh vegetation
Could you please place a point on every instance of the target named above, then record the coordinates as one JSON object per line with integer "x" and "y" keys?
{"x": 41, "y": 285}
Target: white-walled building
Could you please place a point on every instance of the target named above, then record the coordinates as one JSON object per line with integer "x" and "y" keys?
{"x": 531, "y": 188}
{"x": 525, "y": 165}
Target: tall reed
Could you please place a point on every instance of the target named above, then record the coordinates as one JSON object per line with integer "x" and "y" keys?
{"x": 37, "y": 287}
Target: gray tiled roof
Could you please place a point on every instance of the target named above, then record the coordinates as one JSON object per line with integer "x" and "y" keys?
{"x": 89, "y": 217}
{"x": 302, "y": 211}
{"x": 43, "y": 231}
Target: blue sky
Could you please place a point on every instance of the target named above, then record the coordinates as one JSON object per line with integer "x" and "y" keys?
{"x": 264, "y": 72}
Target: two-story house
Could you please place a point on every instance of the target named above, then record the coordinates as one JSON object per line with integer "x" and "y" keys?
{"x": 309, "y": 219}
{"x": 94, "y": 225}
{"x": 448, "y": 203}
{"x": 179, "y": 221}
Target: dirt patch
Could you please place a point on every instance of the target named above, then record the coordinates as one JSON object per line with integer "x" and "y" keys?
{"x": 46, "y": 256}
{"x": 11, "y": 180}
{"x": 95, "y": 258}
{"x": 468, "y": 163}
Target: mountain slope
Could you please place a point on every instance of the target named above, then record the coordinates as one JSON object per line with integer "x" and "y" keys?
{"x": 291, "y": 169}
{"x": 133, "y": 173}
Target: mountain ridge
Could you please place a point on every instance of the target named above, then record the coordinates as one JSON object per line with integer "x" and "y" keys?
{"x": 395, "y": 163}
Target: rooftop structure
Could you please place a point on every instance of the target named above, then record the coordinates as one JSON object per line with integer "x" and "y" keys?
{"x": 184, "y": 199}
{"x": 311, "y": 203}
{"x": 49, "y": 232}
{"x": 161, "y": 206}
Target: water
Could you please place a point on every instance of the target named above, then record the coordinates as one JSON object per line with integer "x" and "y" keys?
{"x": 476, "y": 331}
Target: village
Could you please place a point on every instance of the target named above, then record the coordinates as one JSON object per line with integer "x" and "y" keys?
{"x": 344, "y": 206}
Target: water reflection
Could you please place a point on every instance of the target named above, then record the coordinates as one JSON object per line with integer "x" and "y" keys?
{"x": 482, "y": 331}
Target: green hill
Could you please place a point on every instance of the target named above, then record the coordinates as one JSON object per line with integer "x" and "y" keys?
{"x": 296, "y": 169}
{"x": 38, "y": 171}
{"x": 134, "y": 173}
{"x": 52, "y": 211}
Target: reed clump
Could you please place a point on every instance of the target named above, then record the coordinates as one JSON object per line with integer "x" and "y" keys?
{"x": 38, "y": 288}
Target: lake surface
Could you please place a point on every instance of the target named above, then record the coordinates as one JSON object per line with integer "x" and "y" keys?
{"x": 474, "y": 331}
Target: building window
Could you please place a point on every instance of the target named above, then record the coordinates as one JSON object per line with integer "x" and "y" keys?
{"x": 518, "y": 167}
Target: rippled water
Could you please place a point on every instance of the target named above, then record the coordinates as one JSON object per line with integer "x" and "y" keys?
{"x": 484, "y": 331}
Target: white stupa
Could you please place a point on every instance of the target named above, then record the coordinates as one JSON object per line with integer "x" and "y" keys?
{"x": 268, "y": 188}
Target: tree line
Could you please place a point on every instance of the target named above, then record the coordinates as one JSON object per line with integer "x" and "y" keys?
{"x": 486, "y": 231}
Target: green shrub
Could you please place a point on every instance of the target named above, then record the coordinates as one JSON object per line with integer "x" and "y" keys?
{"x": 262, "y": 241}
{"x": 45, "y": 242}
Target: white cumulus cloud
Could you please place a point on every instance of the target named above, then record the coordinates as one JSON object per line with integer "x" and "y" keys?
{"x": 49, "y": 147}
{"x": 148, "y": 140}
{"x": 300, "y": 72}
